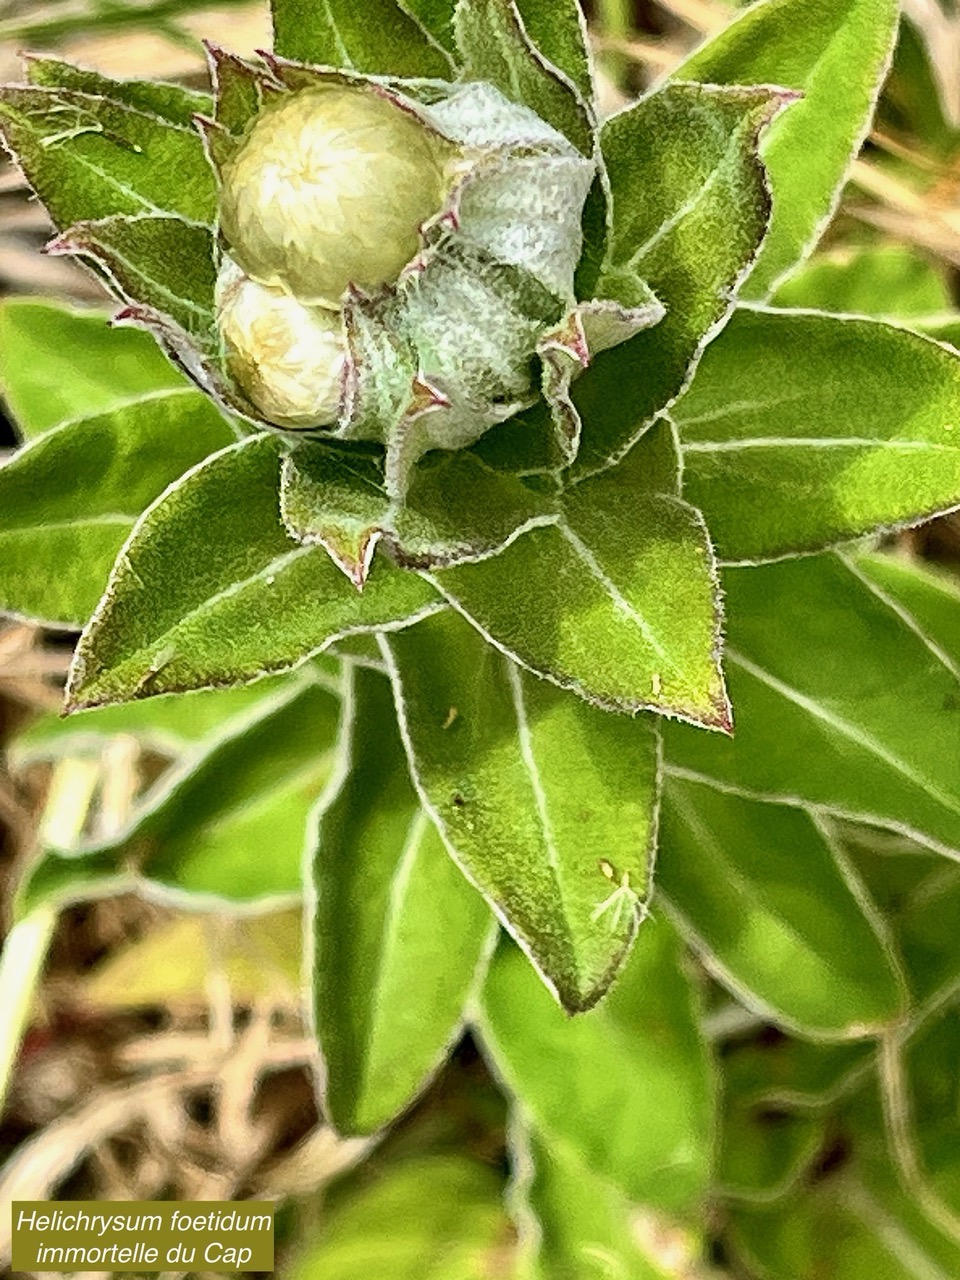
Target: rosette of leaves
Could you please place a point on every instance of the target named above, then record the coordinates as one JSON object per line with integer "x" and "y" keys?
{"x": 571, "y": 403}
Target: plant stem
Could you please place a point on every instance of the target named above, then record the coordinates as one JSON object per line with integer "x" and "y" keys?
{"x": 72, "y": 788}
{"x": 21, "y": 964}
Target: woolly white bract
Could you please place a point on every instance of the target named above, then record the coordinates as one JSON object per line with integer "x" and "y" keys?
{"x": 443, "y": 221}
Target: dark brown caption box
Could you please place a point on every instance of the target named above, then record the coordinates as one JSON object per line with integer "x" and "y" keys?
{"x": 142, "y": 1235}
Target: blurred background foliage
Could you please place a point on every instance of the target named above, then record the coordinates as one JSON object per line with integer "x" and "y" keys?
{"x": 167, "y": 1054}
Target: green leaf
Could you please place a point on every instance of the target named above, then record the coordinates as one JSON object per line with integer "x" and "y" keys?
{"x": 69, "y": 499}
{"x": 928, "y": 937}
{"x": 944, "y": 327}
{"x": 379, "y": 38}
{"x": 840, "y": 700}
{"x": 239, "y": 88}
{"x": 157, "y": 262}
{"x": 170, "y": 724}
{"x": 778, "y": 913}
{"x": 628, "y": 1087}
{"x": 458, "y": 509}
{"x": 836, "y": 52}
{"x": 57, "y": 364}
{"x": 399, "y": 936}
{"x": 858, "y": 1222}
{"x": 929, "y": 596}
{"x": 582, "y": 1226}
{"x": 548, "y": 804}
{"x": 455, "y": 508}
{"x": 205, "y": 827}
{"x": 920, "y": 898}
{"x": 436, "y": 18}
{"x": 496, "y": 48}
{"x": 885, "y": 280}
{"x": 638, "y": 622}
{"x": 89, "y": 157}
{"x": 802, "y": 430}
{"x": 211, "y": 590}
{"x": 332, "y": 493}
{"x": 171, "y": 102}
{"x": 781, "y": 1073}
{"x": 689, "y": 206}
{"x": 763, "y": 1150}
{"x": 921, "y": 1077}
{"x": 875, "y": 1200}
{"x": 557, "y": 29}
{"x": 436, "y": 1219}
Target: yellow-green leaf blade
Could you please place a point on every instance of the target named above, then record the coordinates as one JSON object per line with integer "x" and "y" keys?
{"x": 803, "y": 430}
{"x": 762, "y": 892}
{"x": 628, "y": 1086}
{"x": 840, "y": 701}
{"x": 398, "y": 933}
{"x": 836, "y": 52}
{"x": 69, "y": 498}
{"x": 211, "y": 589}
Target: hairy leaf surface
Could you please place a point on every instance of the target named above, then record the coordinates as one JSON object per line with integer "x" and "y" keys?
{"x": 204, "y": 829}
{"x": 836, "y": 52}
{"x": 424, "y": 1219}
{"x": 841, "y": 701}
{"x": 89, "y": 157}
{"x": 689, "y": 206}
{"x": 378, "y": 38}
{"x": 497, "y": 49}
{"x": 617, "y": 600}
{"x": 69, "y": 499}
{"x": 170, "y": 724}
{"x": 579, "y": 1220}
{"x": 558, "y": 30}
{"x": 628, "y": 1086}
{"x": 157, "y": 262}
{"x": 57, "y": 364}
{"x": 802, "y": 430}
{"x": 398, "y": 933}
{"x": 777, "y": 912}
{"x": 211, "y": 589}
{"x": 547, "y": 804}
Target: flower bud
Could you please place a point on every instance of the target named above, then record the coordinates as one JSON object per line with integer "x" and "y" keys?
{"x": 330, "y": 188}
{"x": 287, "y": 358}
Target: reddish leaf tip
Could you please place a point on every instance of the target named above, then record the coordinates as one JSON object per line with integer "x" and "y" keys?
{"x": 270, "y": 59}
{"x": 723, "y": 719}
{"x": 425, "y": 397}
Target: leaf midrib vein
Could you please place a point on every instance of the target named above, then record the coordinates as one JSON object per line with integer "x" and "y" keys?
{"x": 858, "y": 736}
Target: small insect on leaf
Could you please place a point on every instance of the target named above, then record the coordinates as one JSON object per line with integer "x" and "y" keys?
{"x": 623, "y": 896}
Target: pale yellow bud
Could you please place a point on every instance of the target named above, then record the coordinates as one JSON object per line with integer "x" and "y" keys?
{"x": 330, "y": 189}
{"x": 287, "y": 358}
